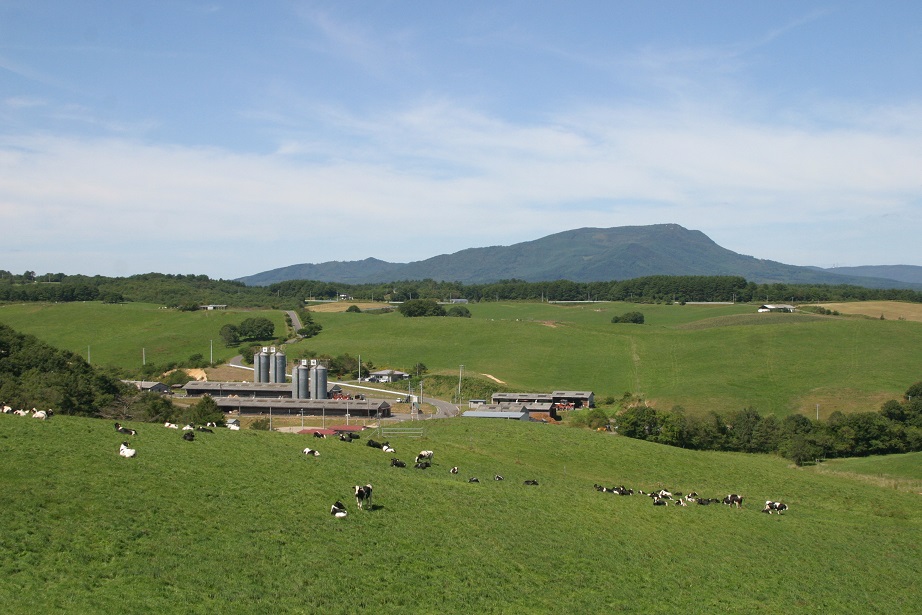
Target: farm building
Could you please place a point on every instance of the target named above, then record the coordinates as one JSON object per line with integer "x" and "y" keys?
{"x": 516, "y": 415}
{"x": 313, "y": 407}
{"x": 148, "y": 386}
{"x": 241, "y": 389}
{"x": 387, "y": 375}
{"x": 560, "y": 400}
{"x": 777, "y": 307}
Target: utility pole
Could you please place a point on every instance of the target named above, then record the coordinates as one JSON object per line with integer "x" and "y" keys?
{"x": 460, "y": 374}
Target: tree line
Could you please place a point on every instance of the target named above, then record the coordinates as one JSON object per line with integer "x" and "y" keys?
{"x": 193, "y": 290}
{"x": 895, "y": 428}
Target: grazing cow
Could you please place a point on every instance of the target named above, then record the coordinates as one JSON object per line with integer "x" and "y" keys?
{"x": 497, "y": 477}
{"x": 170, "y": 425}
{"x": 120, "y": 429}
{"x": 771, "y": 507}
{"x": 473, "y": 479}
{"x": 422, "y": 465}
{"x": 124, "y": 451}
{"x": 424, "y": 455}
{"x": 734, "y": 500}
{"x": 373, "y": 444}
{"x": 530, "y": 482}
{"x": 396, "y": 463}
{"x": 363, "y": 496}
{"x": 310, "y": 451}
{"x": 188, "y": 436}
{"x": 453, "y": 470}
{"x": 317, "y": 434}
{"x": 338, "y": 510}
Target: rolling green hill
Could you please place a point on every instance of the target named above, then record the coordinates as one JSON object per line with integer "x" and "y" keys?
{"x": 238, "y": 522}
{"x": 701, "y": 357}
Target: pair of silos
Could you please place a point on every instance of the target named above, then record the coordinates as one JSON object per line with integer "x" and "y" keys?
{"x": 309, "y": 381}
{"x": 269, "y": 365}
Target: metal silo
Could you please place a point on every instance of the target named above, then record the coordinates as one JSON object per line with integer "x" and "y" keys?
{"x": 263, "y": 369}
{"x": 318, "y": 382}
{"x": 294, "y": 381}
{"x": 303, "y": 390}
{"x": 281, "y": 364}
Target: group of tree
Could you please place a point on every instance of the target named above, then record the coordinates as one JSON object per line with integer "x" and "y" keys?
{"x": 194, "y": 290}
{"x": 896, "y": 428}
{"x": 251, "y": 329}
{"x": 635, "y": 318}
{"x": 430, "y": 307}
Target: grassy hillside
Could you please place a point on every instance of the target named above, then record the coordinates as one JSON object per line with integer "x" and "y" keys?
{"x": 116, "y": 334}
{"x": 716, "y": 357}
{"x": 239, "y": 522}
{"x": 702, "y": 357}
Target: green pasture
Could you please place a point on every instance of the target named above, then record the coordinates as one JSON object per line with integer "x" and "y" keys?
{"x": 700, "y": 357}
{"x": 238, "y": 522}
{"x": 902, "y": 472}
{"x": 703, "y": 358}
{"x": 126, "y": 334}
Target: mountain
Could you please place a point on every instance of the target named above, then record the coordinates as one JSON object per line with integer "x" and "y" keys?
{"x": 901, "y": 273}
{"x": 580, "y": 255}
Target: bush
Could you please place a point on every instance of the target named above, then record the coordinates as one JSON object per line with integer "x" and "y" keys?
{"x": 629, "y": 317}
{"x": 353, "y": 309}
{"x": 260, "y": 424}
{"x": 421, "y": 307}
{"x": 458, "y": 311}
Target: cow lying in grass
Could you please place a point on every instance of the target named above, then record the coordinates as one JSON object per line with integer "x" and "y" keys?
{"x": 124, "y": 451}
{"x": 771, "y": 507}
{"x": 311, "y": 451}
{"x": 338, "y": 510}
{"x": 125, "y": 430}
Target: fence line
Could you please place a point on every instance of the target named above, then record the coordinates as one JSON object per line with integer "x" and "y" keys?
{"x": 410, "y": 432}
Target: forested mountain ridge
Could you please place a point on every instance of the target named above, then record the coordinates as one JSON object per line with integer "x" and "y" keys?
{"x": 581, "y": 255}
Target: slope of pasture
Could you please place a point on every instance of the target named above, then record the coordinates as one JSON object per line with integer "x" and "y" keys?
{"x": 239, "y": 522}
{"x": 116, "y": 334}
{"x": 700, "y": 357}
{"x": 903, "y": 472}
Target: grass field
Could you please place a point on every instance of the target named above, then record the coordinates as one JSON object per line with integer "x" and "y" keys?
{"x": 890, "y": 310}
{"x": 238, "y": 522}
{"x": 701, "y": 357}
{"x": 129, "y": 333}
{"x": 720, "y": 357}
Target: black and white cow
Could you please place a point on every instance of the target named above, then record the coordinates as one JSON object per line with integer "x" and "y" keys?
{"x": 363, "y": 496}
{"x": 734, "y": 500}
{"x": 124, "y": 451}
{"x": 338, "y": 510}
{"x": 777, "y": 507}
{"x": 120, "y": 429}
{"x": 453, "y": 470}
{"x": 317, "y": 434}
{"x": 497, "y": 477}
{"x": 188, "y": 436}
{"x": 396, "y": 463}
{"x": 473, "y": 479}
{"x": 373, "y": 444}
{"x": 422, "y": 465}
{"x": 530, "y": 482}
{"x": 424, "y": 456}
{"x": 204, "y": 429}
{"x": 311, "y": 451}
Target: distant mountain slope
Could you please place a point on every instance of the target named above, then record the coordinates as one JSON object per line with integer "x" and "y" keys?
{"x": 901, "y": 273}
{"x": 347, "y": 272}
{"x": 580, "y": 255}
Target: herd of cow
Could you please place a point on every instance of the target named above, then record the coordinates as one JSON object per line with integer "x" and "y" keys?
{"x": 423, "y": 461}
{"x": 663, "y": 497}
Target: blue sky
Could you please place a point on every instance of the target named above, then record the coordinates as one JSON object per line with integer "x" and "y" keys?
{"x": 228, "y": 138}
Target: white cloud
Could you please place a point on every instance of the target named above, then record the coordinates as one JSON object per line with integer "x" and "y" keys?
{"x": 439, "y": 178}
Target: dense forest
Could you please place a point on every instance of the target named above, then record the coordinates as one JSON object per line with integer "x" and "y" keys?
{"x": 189, "y": 291}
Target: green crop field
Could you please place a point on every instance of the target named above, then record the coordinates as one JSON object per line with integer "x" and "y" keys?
{"x": 238, "y": 522}
{"x": 129, "y": 333}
